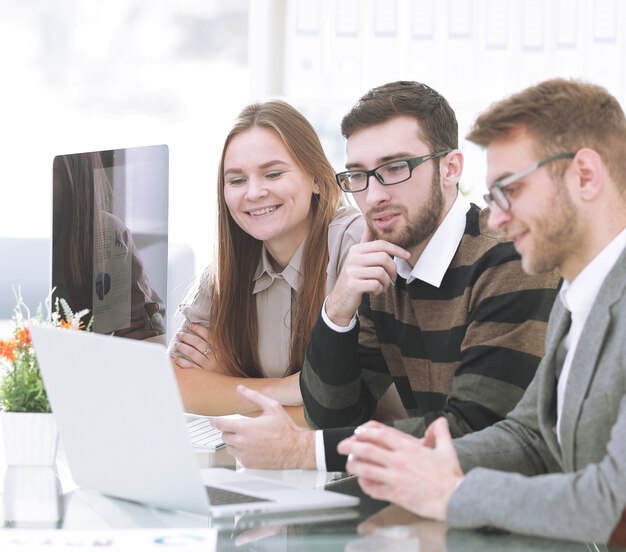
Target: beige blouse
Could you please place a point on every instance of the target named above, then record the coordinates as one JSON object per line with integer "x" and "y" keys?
{"x": 275, "y": 292}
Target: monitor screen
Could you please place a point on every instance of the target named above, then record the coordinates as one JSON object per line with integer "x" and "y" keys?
{"x": 109, "y": 238}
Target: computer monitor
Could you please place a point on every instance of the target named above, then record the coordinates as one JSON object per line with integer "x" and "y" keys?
{"x": 109, "y": 238}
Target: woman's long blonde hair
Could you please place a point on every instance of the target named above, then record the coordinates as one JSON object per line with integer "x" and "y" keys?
{"x": 233, "y": 313}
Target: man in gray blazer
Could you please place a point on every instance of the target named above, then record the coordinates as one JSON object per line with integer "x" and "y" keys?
{"x": 556, "y": 466}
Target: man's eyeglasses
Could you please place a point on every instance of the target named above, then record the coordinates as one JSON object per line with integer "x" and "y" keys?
{"x": 387, "y": 174}
{"x": 497, "y": 193}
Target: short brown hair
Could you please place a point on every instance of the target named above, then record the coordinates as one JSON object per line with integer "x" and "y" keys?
{"x": 413, "y": 99}
{"x": 563, "y": 116}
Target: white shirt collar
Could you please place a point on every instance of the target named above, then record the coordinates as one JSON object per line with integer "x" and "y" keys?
{"x": 579, "y": 295}
{"x": 432, "y": 264}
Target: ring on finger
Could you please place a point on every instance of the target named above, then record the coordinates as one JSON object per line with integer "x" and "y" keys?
{"x": 208, "y": 351}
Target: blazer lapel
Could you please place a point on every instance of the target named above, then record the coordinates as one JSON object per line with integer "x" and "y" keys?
{"x": 581, "y": 373}
{"x": 557, "y": 327}
{"x": 586, "y": 356}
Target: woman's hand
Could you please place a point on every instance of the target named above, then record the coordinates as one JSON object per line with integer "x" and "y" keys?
{"x": 195, "y": 349}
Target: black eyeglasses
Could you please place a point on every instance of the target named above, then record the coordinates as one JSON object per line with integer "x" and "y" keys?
{"x": 387, "y": 174}
{"x": 497, "y": 193}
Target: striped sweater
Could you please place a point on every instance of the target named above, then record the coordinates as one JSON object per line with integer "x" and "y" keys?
{"x": 466, "y": 350}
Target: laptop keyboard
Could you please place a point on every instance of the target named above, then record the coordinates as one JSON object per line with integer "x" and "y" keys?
{"x": 204, "y": 435}
{"x": 218, "y": 497}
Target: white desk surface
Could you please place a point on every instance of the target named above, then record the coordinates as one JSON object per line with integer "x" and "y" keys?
{"x": 52, "y": 496}
{"x": 43, "y": 492}
{"x": 373, "y": 527}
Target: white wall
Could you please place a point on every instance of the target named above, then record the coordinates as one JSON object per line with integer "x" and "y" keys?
{"x": 85, "y": 75}
{"x": 81, "y": 75}
{"x": 471, "y": 51}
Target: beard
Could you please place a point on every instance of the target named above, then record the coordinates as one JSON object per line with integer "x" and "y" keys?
{"x": 555, "y": 236}
{"x": 417, "y": 228}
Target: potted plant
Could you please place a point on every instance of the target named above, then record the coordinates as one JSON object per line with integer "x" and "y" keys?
{"x": 30, "y": 435}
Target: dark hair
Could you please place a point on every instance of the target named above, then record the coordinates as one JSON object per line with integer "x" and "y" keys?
{"x": 86, "y": 192}
{"x": 431, "y": 110}
{"x": 563, "y": 116}
{"x": 233, "y": 309}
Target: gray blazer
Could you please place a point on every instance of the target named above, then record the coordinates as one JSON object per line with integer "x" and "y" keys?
{"x": 574, "y": 491}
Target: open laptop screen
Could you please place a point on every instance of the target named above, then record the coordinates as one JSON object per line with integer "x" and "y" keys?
{"x": 109, "y": 238}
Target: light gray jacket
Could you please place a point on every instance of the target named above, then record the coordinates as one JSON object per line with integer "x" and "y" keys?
{"x": 574, "y": 491}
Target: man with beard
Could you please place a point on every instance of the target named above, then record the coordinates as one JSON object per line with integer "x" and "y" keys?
{"x": 556, "y": 466}
{"x": 445, "y": 311}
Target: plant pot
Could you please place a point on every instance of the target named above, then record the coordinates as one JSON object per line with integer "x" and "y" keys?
{"x": 30, "y": 439}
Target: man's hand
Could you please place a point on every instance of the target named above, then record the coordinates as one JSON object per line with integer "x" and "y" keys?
{"x": 368, "y": 268}
{"x": 269, "y": 441}
{"x": 397, "y": 524}
{"x": 418, "y": 474}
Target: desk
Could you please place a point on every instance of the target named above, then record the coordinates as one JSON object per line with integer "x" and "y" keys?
{"x": 374, "y": 526}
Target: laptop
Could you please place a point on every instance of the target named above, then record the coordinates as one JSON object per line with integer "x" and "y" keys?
{"x": 120, "y": 417}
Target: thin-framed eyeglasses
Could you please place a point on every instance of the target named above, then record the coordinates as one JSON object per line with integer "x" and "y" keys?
{"x": 498, "y": 194}
{"x": 388, "y": 174}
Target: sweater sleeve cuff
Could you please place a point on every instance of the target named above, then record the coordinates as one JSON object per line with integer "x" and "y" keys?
{"x": 332, "y": 437}
{"x": 332, "y": 325}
